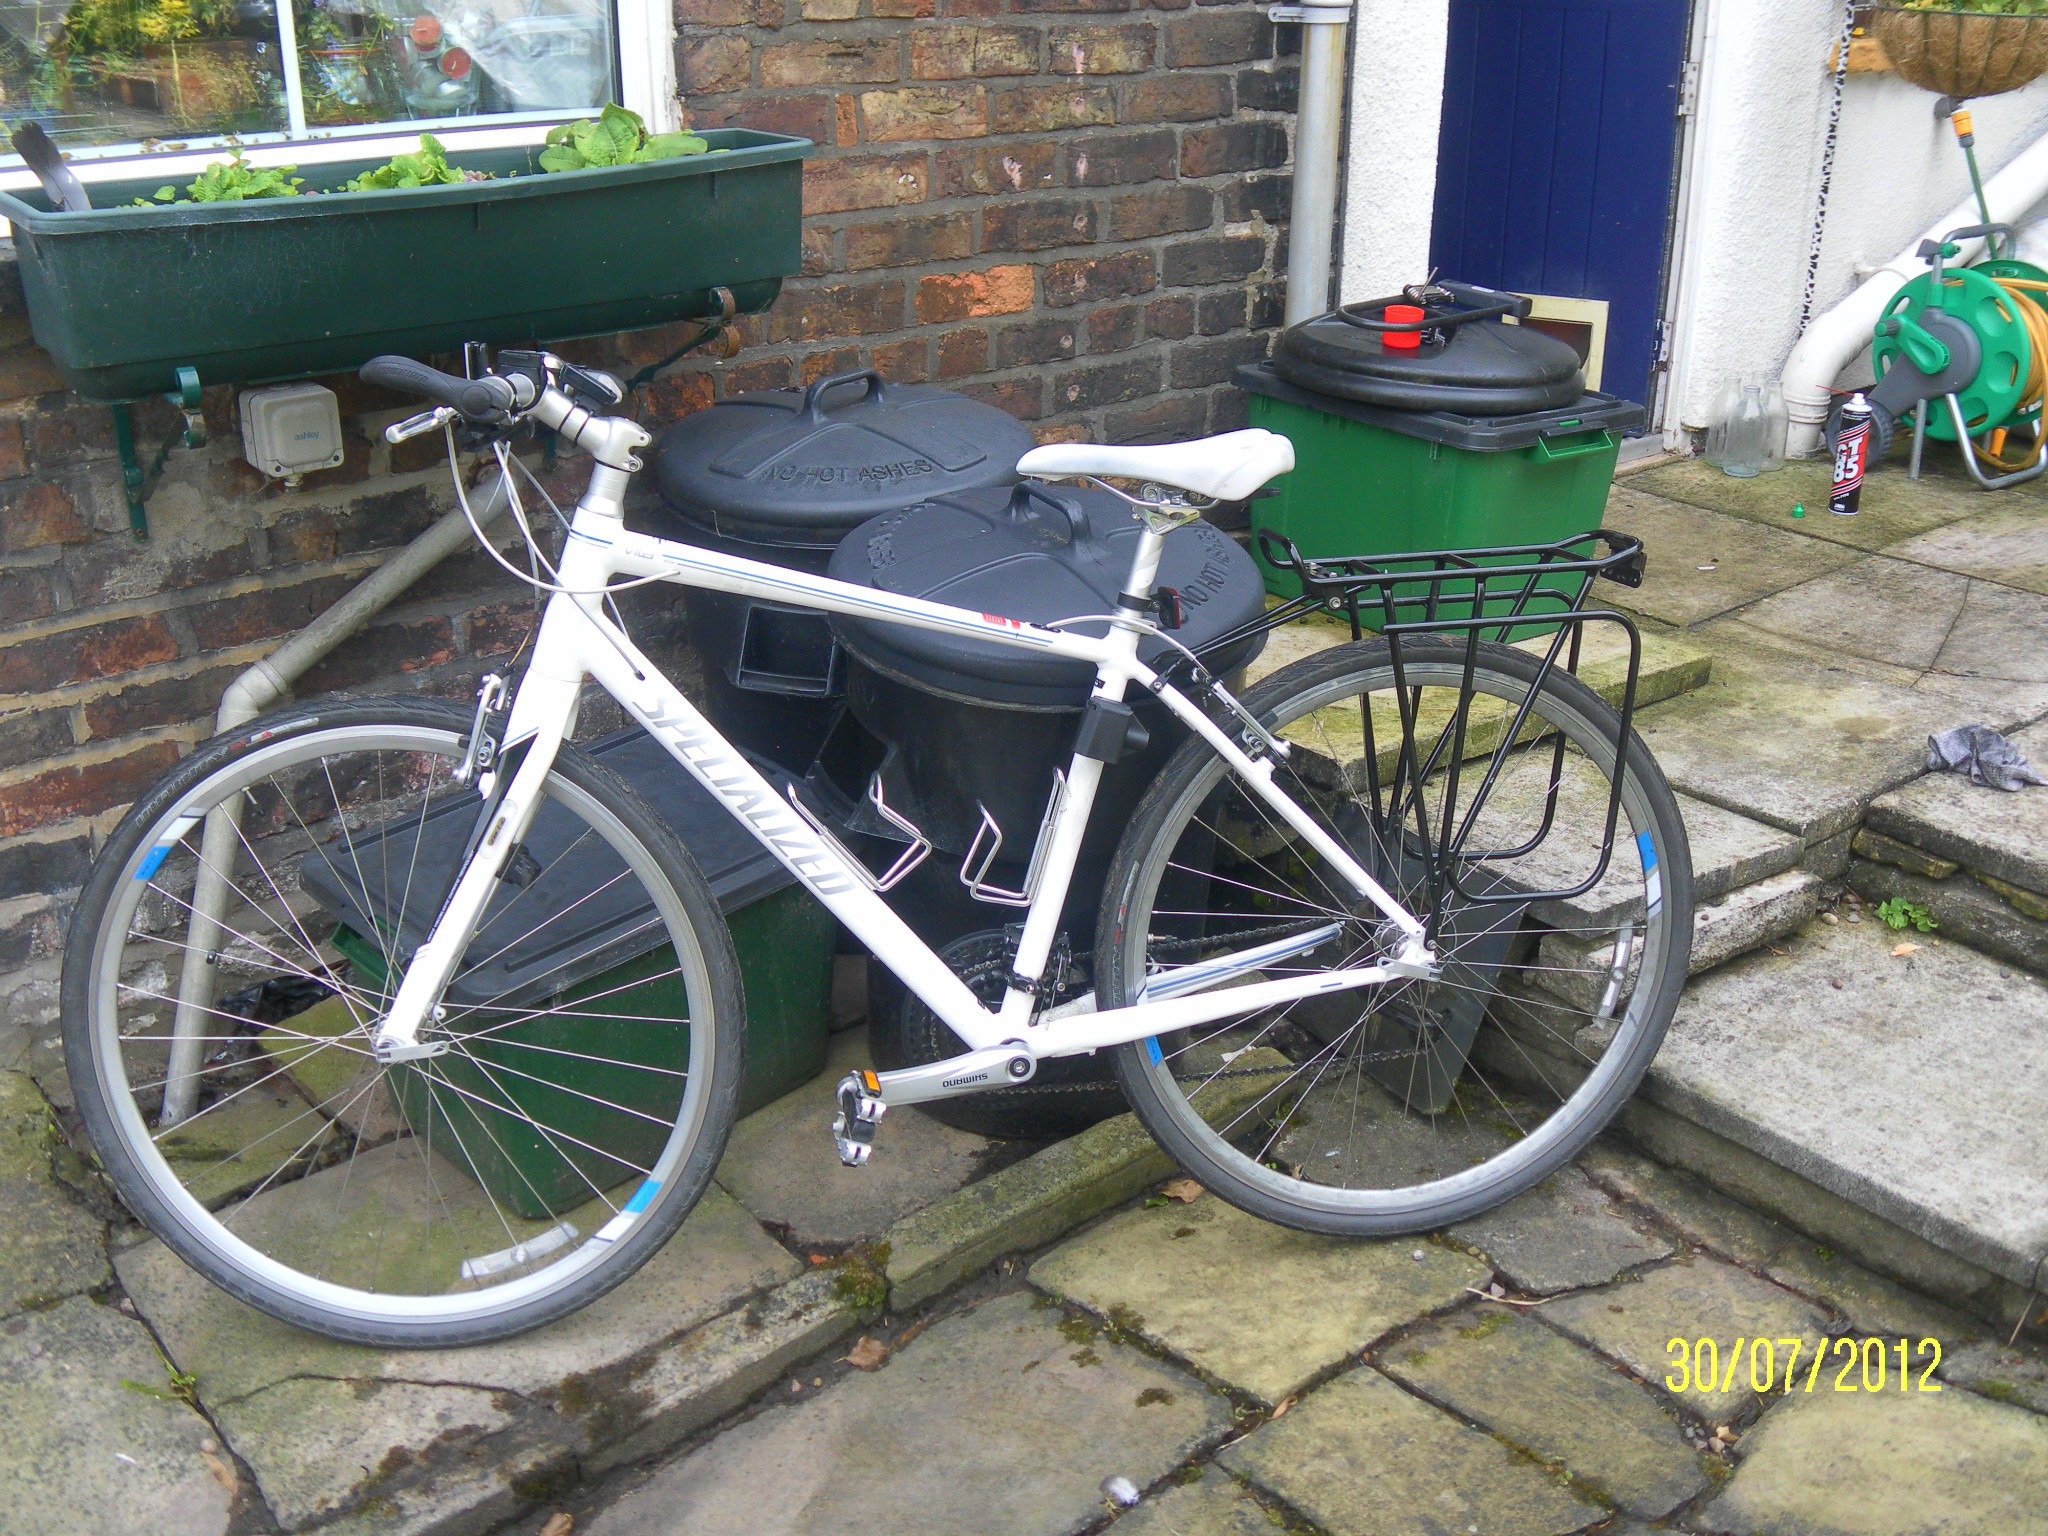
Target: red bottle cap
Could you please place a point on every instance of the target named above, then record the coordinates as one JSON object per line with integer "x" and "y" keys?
{"x": 455, "y": 63}
{"x": 426, "y": 31}
{"x": 1404, "y": 341}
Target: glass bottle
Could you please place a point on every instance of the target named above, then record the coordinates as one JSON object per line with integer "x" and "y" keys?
{"x": 1777, "y": 422}
{"x": 1746, "y": 429}
{"x": 1726, "y": 403}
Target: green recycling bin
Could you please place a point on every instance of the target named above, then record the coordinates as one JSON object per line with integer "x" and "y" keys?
{"x": 784, "y": 939}
{"x": 1370, "y": 480}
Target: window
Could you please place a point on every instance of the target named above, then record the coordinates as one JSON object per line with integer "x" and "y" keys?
{"x": 172, "y": 74}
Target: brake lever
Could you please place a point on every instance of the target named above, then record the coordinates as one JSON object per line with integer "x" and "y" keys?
{"x": 415, "y": 426}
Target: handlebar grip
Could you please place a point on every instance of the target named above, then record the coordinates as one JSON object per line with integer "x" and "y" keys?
{"x": 488, "y": 399}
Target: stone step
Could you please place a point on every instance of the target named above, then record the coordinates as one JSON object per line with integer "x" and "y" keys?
{"x": 1738, "y": 921}
{"x": 1995, "y": 833}
{"x": 1671, "y": 665}
{"x": 1889, "y": 1103}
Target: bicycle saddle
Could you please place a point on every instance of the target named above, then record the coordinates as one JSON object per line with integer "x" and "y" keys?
{"x": 1228, "y": 467}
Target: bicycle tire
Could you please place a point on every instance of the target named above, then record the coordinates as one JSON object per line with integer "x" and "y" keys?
{"x": 516, "y": 1120}
{"x": 1505, "y": 1044}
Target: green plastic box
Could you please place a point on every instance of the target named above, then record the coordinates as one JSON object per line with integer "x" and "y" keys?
{"x": 1370, "y": 481}
{"x": 121, "y": 297}
{"x": 784, "y": 938}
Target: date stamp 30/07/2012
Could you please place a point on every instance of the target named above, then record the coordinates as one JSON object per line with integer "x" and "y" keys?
{"x": 1796, "y": 1365}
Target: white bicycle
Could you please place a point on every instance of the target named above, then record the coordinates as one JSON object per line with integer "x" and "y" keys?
{"x": 1388, "y": 940}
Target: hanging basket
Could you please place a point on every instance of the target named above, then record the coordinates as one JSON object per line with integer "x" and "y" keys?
{"x": 1962, "y": 54}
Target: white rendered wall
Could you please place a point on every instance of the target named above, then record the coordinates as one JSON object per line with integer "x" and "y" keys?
{"x": 1762, "y": 127}
{"x": 1397, "y": 97}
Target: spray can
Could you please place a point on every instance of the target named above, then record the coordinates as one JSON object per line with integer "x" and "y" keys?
{"x": 1852, "y": 457}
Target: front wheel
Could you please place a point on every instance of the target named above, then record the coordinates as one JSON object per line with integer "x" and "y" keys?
{"x": 1407, "y": 1106}
{"x": 594, "y": 1028}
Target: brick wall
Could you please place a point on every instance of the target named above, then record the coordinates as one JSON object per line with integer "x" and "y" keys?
{"x": 1069, "y": 208}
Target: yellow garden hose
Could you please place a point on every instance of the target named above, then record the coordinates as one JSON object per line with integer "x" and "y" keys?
{"x": 2026, "y": 299}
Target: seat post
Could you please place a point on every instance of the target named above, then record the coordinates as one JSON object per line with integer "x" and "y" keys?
{"x": 1136, "y": 597}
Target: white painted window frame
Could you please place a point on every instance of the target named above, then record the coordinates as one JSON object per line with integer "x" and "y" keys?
{"x": 645, "y": 41}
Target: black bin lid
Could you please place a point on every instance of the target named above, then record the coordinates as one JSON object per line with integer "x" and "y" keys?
{"x": 790, "y": 466}
{"x": 1487, "y": 368}
{"x": 594, "y": 924}
{"x": 1036, "y": 553}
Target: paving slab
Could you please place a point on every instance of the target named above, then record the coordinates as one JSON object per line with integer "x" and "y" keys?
{"x": 1909, "y": 1086}
{"x": 2005, "y": 1373}
{"x": 781, "y": 1163}
{"x": 993, "y": 1420}
{"x": 719, "y": 1258}
{"x": 1256, "y": 1306}
{"x": 53, "y": 1247}
{"x": 86, "y": 1455}
{"x": 2002, "y": 833}
{"x": 2007, "y": 543}
{"x": 1871, "y": 1303}
{"x": 1360, "y": 1457}
{"x": 1560, "y": 1235}
{"x": 1212, "y": 1504}
{"x": 1893, "y": 507}
{"x": 1888, "y": 1465}
{"x": 1694, "y": 1298}
{"x": 1790, "y": 741}
{"x": 1697, "y": 1213}
{"x": 319, "y": 1446}
{"x": 1703, "y": 563}
{"x": 1562, "y": 1404}
{"x": 1893, "y": 611}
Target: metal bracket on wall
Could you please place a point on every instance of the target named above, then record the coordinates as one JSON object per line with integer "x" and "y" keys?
{"x": 137, "y": 483}
{"x": 1315, "y": 13}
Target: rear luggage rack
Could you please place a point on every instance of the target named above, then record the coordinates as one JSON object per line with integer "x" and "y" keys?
{"x": 1503, "y": 595}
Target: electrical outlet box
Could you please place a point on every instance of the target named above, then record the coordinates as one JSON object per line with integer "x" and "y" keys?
{"x": 290, "y": 430}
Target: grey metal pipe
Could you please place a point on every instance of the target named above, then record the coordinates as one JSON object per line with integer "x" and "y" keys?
{"x": 1318, "y": 153}
{"x": 248, "y": 696}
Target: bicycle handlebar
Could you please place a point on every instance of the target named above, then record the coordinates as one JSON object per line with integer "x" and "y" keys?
{"x": 486, "y": 401}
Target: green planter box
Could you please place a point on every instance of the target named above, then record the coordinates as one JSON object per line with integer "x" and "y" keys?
{"x": 1369, "y": 481}
{"x": 122, "y": 297}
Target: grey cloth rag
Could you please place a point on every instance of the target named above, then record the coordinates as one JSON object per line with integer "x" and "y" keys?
{"x": 1986, "y": 756}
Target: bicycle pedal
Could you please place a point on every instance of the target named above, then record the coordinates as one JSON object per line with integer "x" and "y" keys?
{"x": 860, "y": 1112}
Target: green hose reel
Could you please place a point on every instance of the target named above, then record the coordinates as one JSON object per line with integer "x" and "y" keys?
{"x": 1972, "y": 295}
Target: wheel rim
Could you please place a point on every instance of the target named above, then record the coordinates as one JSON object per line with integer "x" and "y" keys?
{"x": 1375, "y": 1107}
{"x": 458, "y": 1189}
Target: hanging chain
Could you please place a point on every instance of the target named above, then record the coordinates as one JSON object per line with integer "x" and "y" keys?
{"x": 1827, "y": 164}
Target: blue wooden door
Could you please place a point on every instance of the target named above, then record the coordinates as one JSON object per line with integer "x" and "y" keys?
{"x": 1557, "y": 161}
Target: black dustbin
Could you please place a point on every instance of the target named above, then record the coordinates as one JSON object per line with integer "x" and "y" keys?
{"x": 964, "y": 725}
{"x": 781, "y": 475}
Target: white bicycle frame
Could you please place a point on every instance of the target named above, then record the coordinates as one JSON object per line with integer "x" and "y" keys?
{"x": 578, "y": 640}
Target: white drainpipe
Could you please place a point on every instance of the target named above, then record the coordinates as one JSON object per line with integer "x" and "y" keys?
{"x": 1318, "y": 152}
{"x": 1834, "y": 338}
{"x": 248, "y": 696}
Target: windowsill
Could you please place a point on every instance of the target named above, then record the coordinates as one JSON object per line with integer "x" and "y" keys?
{"x": 374, "y": 142}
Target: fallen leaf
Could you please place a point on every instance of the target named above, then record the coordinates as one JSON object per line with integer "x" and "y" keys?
{"x": 1186, "y": 1191}
{"x": 222, "y": 1472}
{"x": 912, "y": 1331}
{"x": 819, "y": 1258}
{"x": 1285, "y": 1404}
{"x": 1903, "y": 949}
{"x": 560, "y": 1523}
{"x": 868, "y": 1354}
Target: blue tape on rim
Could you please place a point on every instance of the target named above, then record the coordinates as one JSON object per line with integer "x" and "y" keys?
{"x": 643, "y": 1197}
{"x": 1649, "y": 850}
{"x": 1152, "y": 1045}
{"x": 154, "y": 862}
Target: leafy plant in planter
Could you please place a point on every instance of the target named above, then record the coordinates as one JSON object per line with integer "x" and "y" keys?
{"x": 235, "y": 180}
{"x": 1965, "y": 48}
{"x": 428, "y": 167}
{"x": 617, "y": 137}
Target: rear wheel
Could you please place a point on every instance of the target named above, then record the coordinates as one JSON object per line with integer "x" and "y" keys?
{"x": 595, "y": 1031}
{"x": 1411, "y": 1105}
